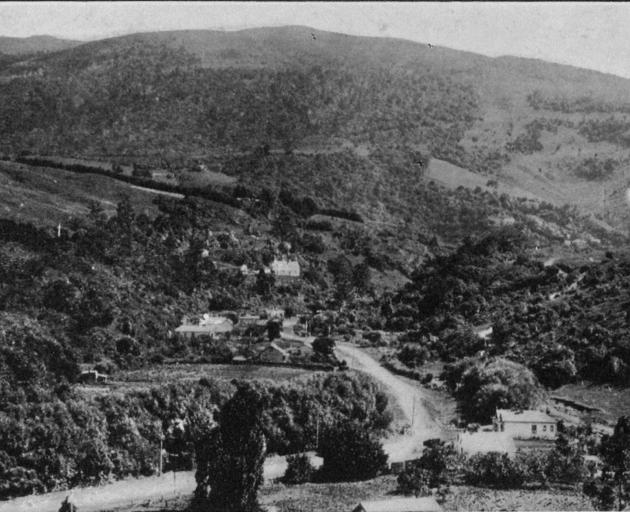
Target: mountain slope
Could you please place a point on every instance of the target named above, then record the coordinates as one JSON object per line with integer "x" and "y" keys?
{"x": 551, "y": 132}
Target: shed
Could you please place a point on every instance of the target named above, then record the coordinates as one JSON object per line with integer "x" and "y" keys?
{"x": 426, "y": 504}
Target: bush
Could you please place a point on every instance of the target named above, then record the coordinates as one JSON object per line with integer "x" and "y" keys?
{"x": 351, "y": 453}
{"x": 299, "y": 469}
{"x": 495, "y": 470}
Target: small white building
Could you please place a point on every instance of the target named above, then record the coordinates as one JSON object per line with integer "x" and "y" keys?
{"x": 285, "y": 268}
{"x": 527, "y": 424}
{"x": 425, "y": 504}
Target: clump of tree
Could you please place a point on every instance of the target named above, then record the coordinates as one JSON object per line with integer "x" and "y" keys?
{"x": 611, "y": 491}
{"x": 299, "y": 469}
{"x": 351, "y": 452}
{"x": 437, "y": 468}
{"x": 482, "y": 386}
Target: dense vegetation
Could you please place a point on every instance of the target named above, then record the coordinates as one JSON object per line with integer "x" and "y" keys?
{"x": 564, "y": 322}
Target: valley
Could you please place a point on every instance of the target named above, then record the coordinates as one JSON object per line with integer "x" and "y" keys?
{"x": 310, "y": 269}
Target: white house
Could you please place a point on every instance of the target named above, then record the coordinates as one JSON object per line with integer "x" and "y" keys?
{"x": 426, "y": 504}
{"x": 285, "y": 268}
{"x": 528, "y": 424}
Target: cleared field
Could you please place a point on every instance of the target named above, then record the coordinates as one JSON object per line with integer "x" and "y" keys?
{"x": 191, "y": 372}
{"x": 51, "y": 196}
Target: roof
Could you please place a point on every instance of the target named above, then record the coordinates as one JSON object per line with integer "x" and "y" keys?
{"x": 279, "y": 349}
{"x": 224, "y": 325}
{"x": 426, "y": 504}
{"x": 527, "y": 416}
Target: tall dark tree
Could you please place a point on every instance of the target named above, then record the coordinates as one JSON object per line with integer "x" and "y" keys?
{"x": 230, "y": 459}
{"x": 613, "y": 487}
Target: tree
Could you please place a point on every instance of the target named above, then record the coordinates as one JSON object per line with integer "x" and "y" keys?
{"x": 614, "y": 483}
{"x": 351, "y": 453}
{"x": 67, "y": 506}
{"x": 361, "y": 277}
{"x": 230, "y": 459}
{"x": 498, "y": 383}
{"x": 299, "y": 469}
{"x": 265, "y": 283}
{"x": 436, "y": 468}
{"x": 496, "y": 470}
{"x": 324, "y": 346}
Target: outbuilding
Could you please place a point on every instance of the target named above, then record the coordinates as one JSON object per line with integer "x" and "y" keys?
{"x": 426, "y": 504}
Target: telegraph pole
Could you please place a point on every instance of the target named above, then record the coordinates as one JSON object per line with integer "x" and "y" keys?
{"x": 161, "y": 454}
{"x": 413, "y": 411}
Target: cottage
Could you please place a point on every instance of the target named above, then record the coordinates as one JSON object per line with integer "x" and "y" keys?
{"x": 426, "y": 504}
{"x": 274, "y": 354}
{"x": 207, "y": 326}
{"x": 285, "y": 268}
{"x": 528, "y": 424}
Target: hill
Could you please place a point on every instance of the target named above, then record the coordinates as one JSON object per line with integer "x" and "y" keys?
{"x": 360, "y": 123}
{"x": 34, "y": 44}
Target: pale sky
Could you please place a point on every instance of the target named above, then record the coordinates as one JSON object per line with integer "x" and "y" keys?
{"x": 590, "y": 34}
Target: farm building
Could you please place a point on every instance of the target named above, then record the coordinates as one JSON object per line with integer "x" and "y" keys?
{"x": 285, "y": 268}
{"x": 92, "y": 377}
{"x": 528, "y": 424}
{"x": 426, "y": 504}
{"x": 273, "y": 354}
{"x": 207, "y": 326}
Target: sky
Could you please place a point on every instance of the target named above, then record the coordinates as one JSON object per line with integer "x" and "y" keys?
{"x": 586, "y": 34}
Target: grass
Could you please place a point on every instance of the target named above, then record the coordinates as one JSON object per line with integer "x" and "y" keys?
{"x": 46, "y": 196}
{"x": 188, "y": 372}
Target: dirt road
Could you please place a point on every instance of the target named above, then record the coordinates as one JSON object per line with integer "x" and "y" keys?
{"x": 130, "y": 491}
{"x": 410, "y": 397}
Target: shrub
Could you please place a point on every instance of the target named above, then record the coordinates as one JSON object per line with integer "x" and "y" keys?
{"x": 495, "y": 470}
{"x": 351, "y": 453}
{"x": 299, "y": 469}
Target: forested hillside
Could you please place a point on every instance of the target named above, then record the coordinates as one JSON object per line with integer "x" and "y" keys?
{"x": 209, "y": 97}
{"x": 564, "y": 321}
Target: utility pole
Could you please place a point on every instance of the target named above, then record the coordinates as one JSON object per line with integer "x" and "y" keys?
{"x": 413, "y": 411}
{"x": 161, "y": 454}
{"x": 317, "y": 433}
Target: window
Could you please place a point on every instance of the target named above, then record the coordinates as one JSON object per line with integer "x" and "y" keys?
{"x": 534, "y": 429}
{"x": 550, "y": 428}
{"x": 544, "y": 428}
